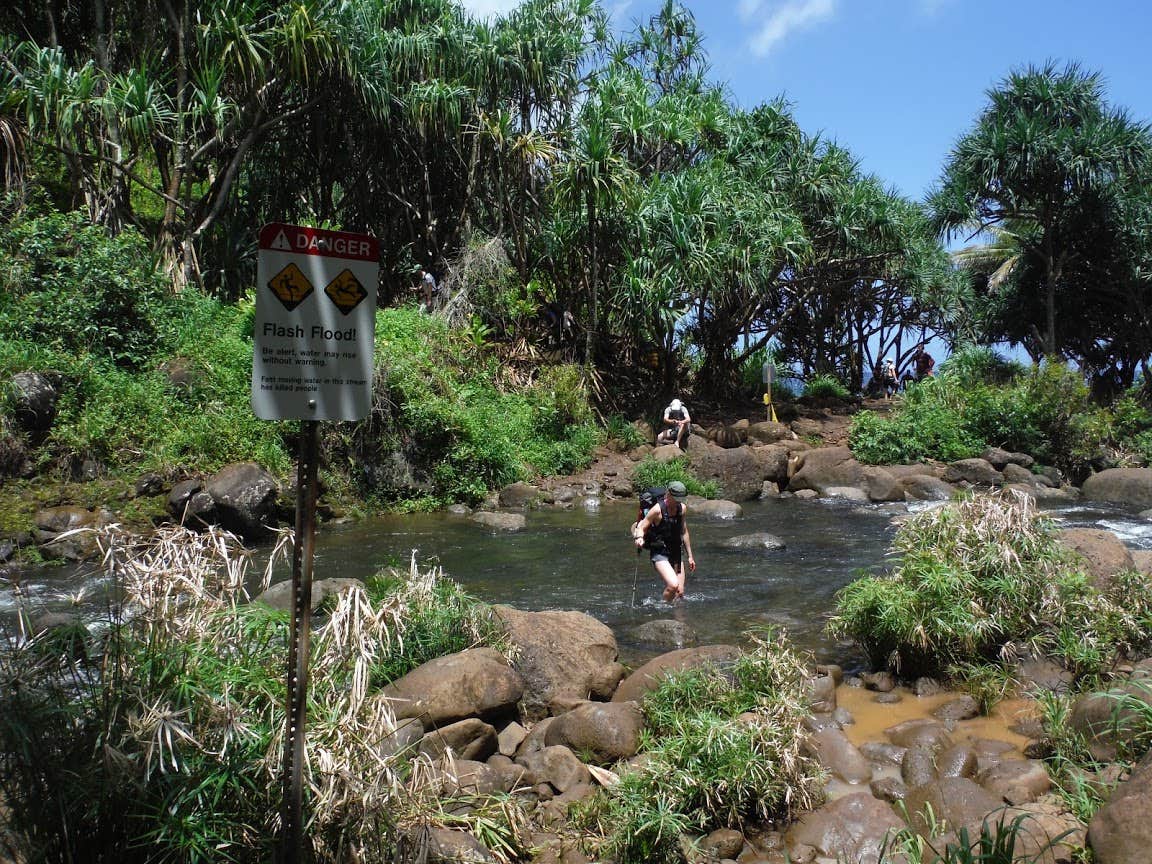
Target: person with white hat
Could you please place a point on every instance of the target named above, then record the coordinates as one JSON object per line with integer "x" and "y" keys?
{"x": 891, "y": 378}
{"x": 677, "y": 425}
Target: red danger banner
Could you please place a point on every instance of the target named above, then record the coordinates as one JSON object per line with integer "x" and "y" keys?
{"x": 297, "y": 239}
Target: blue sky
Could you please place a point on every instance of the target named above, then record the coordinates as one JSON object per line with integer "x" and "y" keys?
{"x": 897, "y": 81}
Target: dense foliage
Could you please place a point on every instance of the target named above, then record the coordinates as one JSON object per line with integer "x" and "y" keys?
{"x": 980, "y": 581}
{"x": 978, "y": 400}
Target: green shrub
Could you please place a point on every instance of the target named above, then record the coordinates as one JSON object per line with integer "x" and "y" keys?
{"x": 971, "y": 577}
{"x": 650, "y": 473}
{"x": 620, "y": 429}
{"x": 707, "y": 767}
{"x": 825, "y": 386}
{"x": 974, "y": 365}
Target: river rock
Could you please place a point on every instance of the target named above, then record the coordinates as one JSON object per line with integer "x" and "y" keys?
{"x": 55, "y": 527}
{"x": 519, "y": 495}
{"x": 759, "y": 541}
{"x": 925, "y": 734}
{"x": 958, "y": 801}
{"x": 1121, "y": 830}
{"x": 564, "y": 658}
{"x": 882, "y": 486}
{"x": 773, "y": 462}
{"x": 499, "y": 521}
{"x": 923, "y": 487}
{"x": 477, "y": 682}
{"x": 851, "y": 828}
{"x": 244, "y": 495}
{"x": 470, "y": 738}
{"x": 832, "y": 749}
{"x": 768, "y": 432}
{"x": 978, "y": 472}
{"x": 279, "y": 596}
{"x": 555, "y": 765}
{"x": 1101, "y": 550}
{"x": 648, "y": 676}
{"x": 1017, "y": 781}
{"x": 666, "y": 633}
{"x": 824, "y": 468}
{"x": 1108, "y": 720}
{"x": 736, "y": 470}
{"x": 918, "y": 767}
{"x": 1131, "y": 487}
{"x": 1016, "y": 474}
{"x": 33, "y": 397}
{"x": 190, "y": 505}
{"x": 706, "y": 509}
{"x": 961, "y": 708}
{"x": 609, "y": 731}
{"x": 1000, "y": 459}
{"x": 450, "y": 846}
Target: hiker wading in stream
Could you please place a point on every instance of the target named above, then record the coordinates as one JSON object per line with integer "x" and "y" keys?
{"x": 663, "y": 532}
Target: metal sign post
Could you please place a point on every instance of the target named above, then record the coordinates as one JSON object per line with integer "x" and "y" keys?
{"x": 313, "y": 338}
{"x": 768, "y": 374}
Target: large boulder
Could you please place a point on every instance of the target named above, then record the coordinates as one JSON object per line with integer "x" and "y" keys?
{"x": 1102, "y": 551}
{"x": 564, "y": 658}
{"x": 738, "y": 472}
{"x": 882, "y": 485}
{"x": 1017, "y": 781}
{"x": 1107, "y": 721}
{"x": 767, "y": 432}
{"x": 60, "y": 532}
{"x": 924, "y": 487}
{"x": 1131, "y": 487}
{"x": 1121, "y": 830}
{"x": 832, "y": 749}
{"x": 718, "y": 509}
{"x": 978, "y": 472}
{"x": 956, "y": 801}
{"x": 609, "y": 731}
{"x": 773, "y": 461}
{"x": 473, "y": 683}
{"x": 851, "y": 828}
{"x": 825, "y": 468}
{"x": 555, "y": 765}
{"x": 649, "y": 676}
{"x": 519, "y": 494}
{"x": 499, "y": 521}
{"x": 467, "y": 739}
{"x": 190, "y": 505}
{"x": 33, "y": 397}
{"x": 244, "y": 495}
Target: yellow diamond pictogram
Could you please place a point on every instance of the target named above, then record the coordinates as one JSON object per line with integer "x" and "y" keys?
{"x": 345, "y": 291}
{"x": 290, "y": 286}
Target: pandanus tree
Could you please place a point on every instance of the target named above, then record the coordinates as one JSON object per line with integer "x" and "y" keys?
{"x": 1047, "y": 146}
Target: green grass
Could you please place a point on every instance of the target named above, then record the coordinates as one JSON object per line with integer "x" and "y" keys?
{"x": 650, "y": 473}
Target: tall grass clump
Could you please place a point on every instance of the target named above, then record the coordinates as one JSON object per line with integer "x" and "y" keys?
{"x": 722, "y": 746}
{"x": 650, "y": 473}
{"x": 163, "y": 739}
{"x": 971, "y": 578}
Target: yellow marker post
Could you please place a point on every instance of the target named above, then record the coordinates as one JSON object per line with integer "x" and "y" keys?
{"x": 768, "y": 376}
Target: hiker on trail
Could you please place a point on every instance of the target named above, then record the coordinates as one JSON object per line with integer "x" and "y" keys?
{"x": 677, "y": 425}
{"x": 922, "y": 363}
{"x": 890, "y": 378}
{"x": 664, "y": 531}
{"x": 428, "y": 287}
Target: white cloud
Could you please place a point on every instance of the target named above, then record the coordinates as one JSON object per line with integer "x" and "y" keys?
{"x": 486, "y": 8}
{"x": 783, "y": 19}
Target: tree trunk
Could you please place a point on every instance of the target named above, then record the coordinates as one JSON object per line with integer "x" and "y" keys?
{"x": 593, "y": 327}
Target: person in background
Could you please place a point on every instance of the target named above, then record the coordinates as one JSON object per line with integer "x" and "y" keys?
{"x": 677, "y": 425}
{"x": 664, "y": 532}
{"x": 890, "y": 377}
{"x": 922, "y": 363}
{"x": 428, "y": 289}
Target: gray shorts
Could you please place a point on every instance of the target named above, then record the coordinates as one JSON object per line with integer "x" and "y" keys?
{"x": 664, "y": 556}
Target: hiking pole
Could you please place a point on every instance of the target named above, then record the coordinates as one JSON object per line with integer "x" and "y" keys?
{"x": 635, "y": 578}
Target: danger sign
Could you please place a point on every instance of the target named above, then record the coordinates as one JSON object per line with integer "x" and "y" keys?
{"x": 315, "y": 320}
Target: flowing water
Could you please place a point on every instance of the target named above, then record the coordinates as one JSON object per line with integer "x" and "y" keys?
{"x": 583, "y": 559}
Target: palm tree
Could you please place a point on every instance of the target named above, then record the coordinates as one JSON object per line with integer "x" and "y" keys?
{"x": 1046, "y": 145}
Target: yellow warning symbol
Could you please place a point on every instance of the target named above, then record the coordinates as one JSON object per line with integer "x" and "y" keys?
{"x": 290, "y": 286}
{"x": 345, "y": 291}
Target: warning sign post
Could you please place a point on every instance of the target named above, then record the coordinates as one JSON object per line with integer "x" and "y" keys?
{"x": 315, "y": 324}
{"x": 311, "y": 360}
